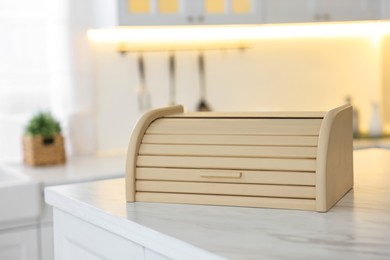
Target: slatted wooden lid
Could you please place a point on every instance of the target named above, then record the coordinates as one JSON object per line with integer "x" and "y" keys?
{"x": 231, "y": 143}
{"x": 210, "y": 158}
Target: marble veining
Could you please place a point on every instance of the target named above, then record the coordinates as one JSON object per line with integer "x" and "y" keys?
{"x": 356, "y": 228}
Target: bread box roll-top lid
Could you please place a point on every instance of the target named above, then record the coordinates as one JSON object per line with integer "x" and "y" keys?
{"x": 290, "y": 160}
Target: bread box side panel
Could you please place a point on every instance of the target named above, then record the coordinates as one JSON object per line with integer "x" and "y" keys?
{"x": 135, "y": 140}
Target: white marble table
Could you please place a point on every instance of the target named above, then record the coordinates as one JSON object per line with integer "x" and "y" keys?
{"x": 358, "y": 227}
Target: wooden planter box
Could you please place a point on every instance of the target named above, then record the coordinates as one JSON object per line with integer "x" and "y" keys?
{"x": 38, "y": 151}
{"x": 290, "y": 160}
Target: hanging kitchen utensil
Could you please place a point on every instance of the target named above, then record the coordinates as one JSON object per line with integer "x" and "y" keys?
{"x": 202, "y": 106}
{"x": 172, "y": 80}
{"x": 143, "y": 93}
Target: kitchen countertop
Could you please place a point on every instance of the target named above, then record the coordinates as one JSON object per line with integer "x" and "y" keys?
{"x": 367, "y": 143}
{"x": 75, "y": 169}
{"x": 356, "y": 228}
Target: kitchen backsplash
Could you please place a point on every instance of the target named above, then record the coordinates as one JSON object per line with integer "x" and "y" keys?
{"x": 274, "y": 74}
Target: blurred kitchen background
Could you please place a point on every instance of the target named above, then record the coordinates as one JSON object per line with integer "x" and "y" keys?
{"x": 47, "y": 62}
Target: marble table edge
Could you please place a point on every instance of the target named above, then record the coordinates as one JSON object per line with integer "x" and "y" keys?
{"x": 144, "y": 236}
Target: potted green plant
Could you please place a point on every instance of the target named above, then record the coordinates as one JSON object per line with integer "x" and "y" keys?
{"x": 43, "y": 143}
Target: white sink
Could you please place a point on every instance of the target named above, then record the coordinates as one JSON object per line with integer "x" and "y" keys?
{"x": 20, "y": 197}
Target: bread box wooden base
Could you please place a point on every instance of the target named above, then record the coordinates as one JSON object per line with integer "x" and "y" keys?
{"x": 290, "y": 160}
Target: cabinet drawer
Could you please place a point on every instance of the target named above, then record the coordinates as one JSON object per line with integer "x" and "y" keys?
{"x": 19, "y": 244}
{"x": 87, "y": 241}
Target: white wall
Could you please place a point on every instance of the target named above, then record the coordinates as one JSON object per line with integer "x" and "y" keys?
{"x": 274, "y": 74}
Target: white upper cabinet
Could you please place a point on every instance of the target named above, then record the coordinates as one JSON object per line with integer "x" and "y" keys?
{"x": 192, "y": 12}
{"x": 284, "y": 11}
{"x": 187, "y": 12}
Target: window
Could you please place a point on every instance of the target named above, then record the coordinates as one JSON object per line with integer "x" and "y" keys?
{"x": 23, "y": 70}
{"x": 45, "y": 65}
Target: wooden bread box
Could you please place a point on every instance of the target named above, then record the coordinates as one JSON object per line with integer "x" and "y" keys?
{"x": 289, "y": 160}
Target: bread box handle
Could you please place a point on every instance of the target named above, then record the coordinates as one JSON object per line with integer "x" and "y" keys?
{"x": 220, "y": 174}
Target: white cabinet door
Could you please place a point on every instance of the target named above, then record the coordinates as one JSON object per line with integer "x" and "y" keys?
{"x": 19, "y": 244}
{"x": 284, "y": 11}
{"x": 229, "y": 11}
{"x": 77, "y": 239}
{"x": 287, "y": 11}
{"x": 47, "y": 245}
{"x": 352, "y": 10}
{"x": 385, "y": 9}
{"x": 155, "y": 12}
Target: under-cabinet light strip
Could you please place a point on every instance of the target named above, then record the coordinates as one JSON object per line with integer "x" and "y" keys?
{"x": 212, "y": 36}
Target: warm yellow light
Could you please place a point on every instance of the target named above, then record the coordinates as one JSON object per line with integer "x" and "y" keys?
{"x": 215, "y": 6}
{"x": 172, "y": 38}
{"x": 224, "y": 36}
{"x": 139, "y": 7}
{"x": 168, "y": 6}
{"x": 241, "y": 6}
